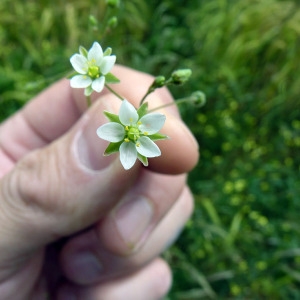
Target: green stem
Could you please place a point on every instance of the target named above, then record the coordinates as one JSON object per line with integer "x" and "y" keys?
{"x": 176, "y": 102}
{"x": 88, "y": 101}
{"x": 114, "y": 92}
{"x": 153, "y": 88}
{"x": 145, "y": 96}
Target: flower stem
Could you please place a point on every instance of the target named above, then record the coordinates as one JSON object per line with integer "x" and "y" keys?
{"x": 159, "y": 82}
{"x": 114, "y": 92}
{"x": 88, "y": 101}
{"x": 197, "y": 98}
{"x": 145, "y": 96}
{"x": 176, "y": 102}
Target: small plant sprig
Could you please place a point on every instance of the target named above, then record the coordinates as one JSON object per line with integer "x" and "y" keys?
{"x": 109, "y": 20}
{"x": 178, "y": 77}
{"x": 133, "y": 132}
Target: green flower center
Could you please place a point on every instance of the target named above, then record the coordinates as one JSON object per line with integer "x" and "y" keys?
{"x": 94, "y": 72}
{"x": 133, "y": 134}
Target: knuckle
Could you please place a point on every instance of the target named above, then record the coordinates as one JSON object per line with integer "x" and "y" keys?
{"x": 35, "y": 189}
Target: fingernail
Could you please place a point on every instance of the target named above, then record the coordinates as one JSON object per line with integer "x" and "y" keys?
{"x": 86, "y": 267}
{"x": 133, "y": 219}
{"x": 89, "y": 148}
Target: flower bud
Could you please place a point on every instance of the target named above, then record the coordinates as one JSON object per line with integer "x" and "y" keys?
{"x": 112, "y": 22}
{"x": 159, "y": 81}
{"x": 93, "y": 21}
{"x": 181, "y": 76}
{"x": 113, "y": 3}
{"x": 198, "y": 98}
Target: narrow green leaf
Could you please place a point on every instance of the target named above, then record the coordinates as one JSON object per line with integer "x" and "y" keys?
{"x": 110, "y": 78}
{"x": 211, "y": 211}
{"x": 112, "y": 148}
{"x": 143, "y": 109}
{"x": 112, "y": 117}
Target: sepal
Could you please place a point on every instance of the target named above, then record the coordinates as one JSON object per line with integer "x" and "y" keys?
{"x": 83, "y": 51}
{"x": 110, "y": 78}
{"x": 107, "y": 51}
{"x": 112, "y": 117}
{"x": 143, "y": 159}
{"x": 158, "y": 136}
{"x": 143, "y": 109}
{"x": 88, "y": 91}
{"x": 112, "y": 148}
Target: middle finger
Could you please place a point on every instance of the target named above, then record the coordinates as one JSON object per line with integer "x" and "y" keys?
{"x": 123, "y": 231}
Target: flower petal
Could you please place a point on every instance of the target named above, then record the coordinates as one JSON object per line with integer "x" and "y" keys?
{"x": 79, "y": 63}
{"x": 107, "y": 64}
{"x": 147, "y": 147}
{"x": 112, "y": 132}
{"x": 128, "y": 155}
{"x": 95, "y": 54}
{"x": 80, "y": 81}
{"x": 152, "y": 123}
{"x": 128, "y": 114}
{"x": 98, "y": 84}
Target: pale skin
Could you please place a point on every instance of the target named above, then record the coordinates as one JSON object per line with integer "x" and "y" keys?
{"x": 75, "y": 224}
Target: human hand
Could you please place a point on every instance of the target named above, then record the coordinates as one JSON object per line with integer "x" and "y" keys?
{"x": 73, "y": 222}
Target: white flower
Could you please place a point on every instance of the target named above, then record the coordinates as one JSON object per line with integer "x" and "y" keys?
{"x": 133, "y": 134}
{"x": 91, "y": 66}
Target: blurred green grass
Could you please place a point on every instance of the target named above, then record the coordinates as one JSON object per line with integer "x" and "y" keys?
{"x": 243, "y": 240}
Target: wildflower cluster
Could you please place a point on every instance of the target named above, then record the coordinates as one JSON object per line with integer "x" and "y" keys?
{"x": 133, "y": 132}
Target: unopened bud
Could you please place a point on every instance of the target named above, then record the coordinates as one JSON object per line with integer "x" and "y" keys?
{"x": 93, "y": 21}
{"x": 112, "y": 22}
{"x": 113, "y": 3}
{"x": 159, "y": 81}
{"x": 181, "y": 76}
{"x": 198, "y": 98}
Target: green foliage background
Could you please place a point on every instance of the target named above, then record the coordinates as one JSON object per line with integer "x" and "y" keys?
{"x": 243, "y": 241}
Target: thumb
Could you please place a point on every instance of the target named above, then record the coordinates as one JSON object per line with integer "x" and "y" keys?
{"x": 60, "y": 189}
